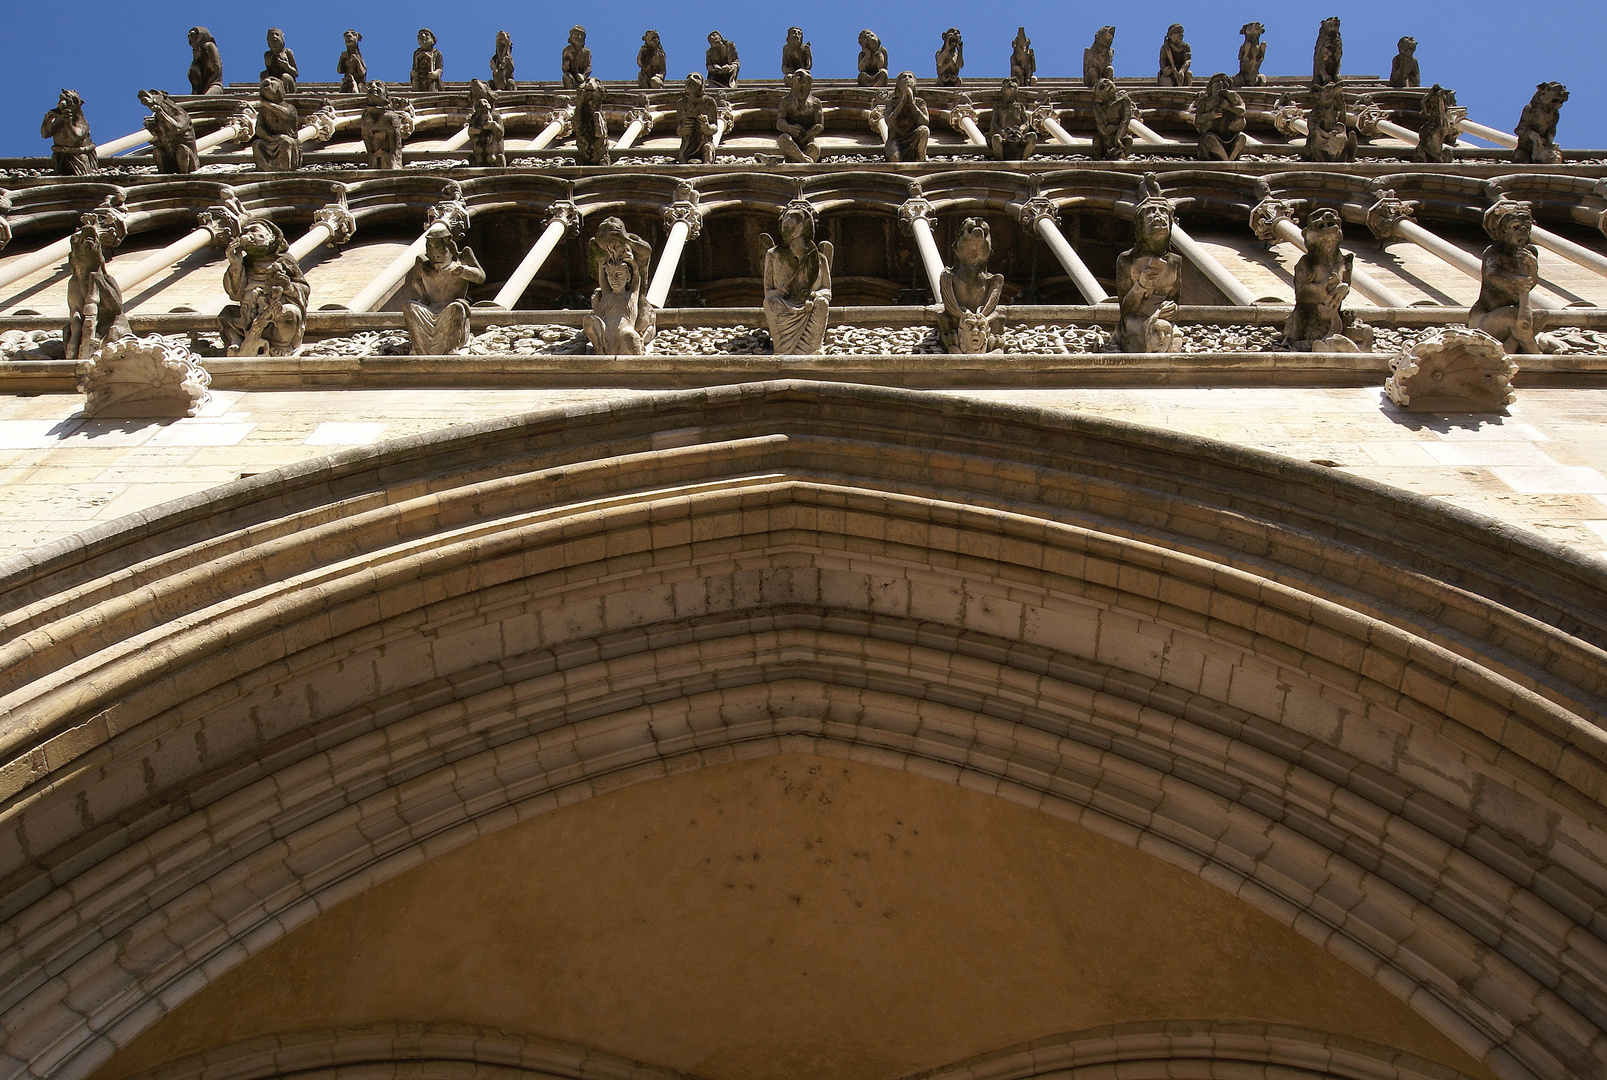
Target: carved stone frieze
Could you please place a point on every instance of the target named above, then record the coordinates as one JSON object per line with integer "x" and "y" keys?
{"x": 1386, "y": 214}
{"x": 144, "y": 377}
{"x": 1455, "y": 369}
{"x": 1266, "y": 214}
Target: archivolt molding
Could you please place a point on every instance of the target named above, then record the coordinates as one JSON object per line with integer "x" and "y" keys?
{"x": 1352, "y": 710}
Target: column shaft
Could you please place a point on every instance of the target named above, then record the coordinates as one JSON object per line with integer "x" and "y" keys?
{"x": 1569, "y": 250}
{"x": 45, "y": 256}
{"x": 530, "y": 265}
{"x": 158, "y": 261}
{"x": 460, "y": 139}
{"x": 1455, "y": 256}
{"x": 1490, "y": 134}
{"x": 1405, "y": 135}
{"x": 377, "y": 291}
{"x": 973, "y": 134}
{"x": 664, "y": 276}
{"x": 127, "y": 142}
{"x": 1078, "y": 270}
{"x": 930, "y": 259}
{"x": 1147, "y": 135}
{"x": 628, "y": 137}
{"x": 1206, "y": 263}
{"x": 224, "y": 134}
{"x": 546, "y": 137}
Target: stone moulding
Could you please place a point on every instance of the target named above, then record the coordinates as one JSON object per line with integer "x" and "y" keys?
{"x": 144, "y": 377}
{"x": 1456, "y": 369}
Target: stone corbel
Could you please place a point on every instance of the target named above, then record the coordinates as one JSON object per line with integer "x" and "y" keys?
{"x": 567, "y": 213}
{"x": 1366, "y": 118}
{"x": 684, "y": 211}
{"x": 144, "y": 377}
{"x": 111, "y": 219}
{"x": 875, "y": 116}
{"x": 1042, "y": 114}
{"x": 1600, "y": 191}
{"x": 222, "y": 219}
{"x": 726, "y": 113}
{"x": 409, "y": 118}
{"x": 1455, "y": 115}
{"x": 1286, "y": 115}
{"x": 1385, "y": 215}
{"x": 961, "y": 110}
{"x": 1266, "y": 214}
{"x": 915, "y": 208}
{"x": 323, "y": 122}
{"x": 244, "y": 123}
{"x": 337, "y": 219}
{"x": 1034, "y": 210}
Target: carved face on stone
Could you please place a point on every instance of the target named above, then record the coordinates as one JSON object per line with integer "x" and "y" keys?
{"x": 617, "y": 275}
{"x": 869, "y": 41}
{"x": 352, "y": 37}
{"x": 694, "y": 86}
{"x": 439, "y": 248}
{"x": 504, "y": 42}
{"x": 801, "y": 82}
{"x": 1252, "y": 30}
{"x": 797, "y": 228}
{"x": 1550, "y": 95}
{"x": 1104, "y": 37}
{"x": 272, "y": 89}
{"x": 795, "y": 35}
{"x": 651, "y": 38}
{"x": 951, "y": 37}
{"x": 259, "y": 240}
{"x": 973, "y": 247}
{"x": 1323, "y": 231}
{"x": 196, "y": 36}
{"x": 906, "y": 81}
{"x": 1155, "y": 222}
{"x": 1511, "y": 224}
{"x": 715, "y": 38}
{"x": 577, "y": 37}
{"x": 1022, "y": 42}
{"x": 1009, "y": 90}
{"x": 69, "y": 102}
{"x": 1174, "y": 34}
{"x": 1217, "y": 85}
{"x": 1407, "y": 46}
{"x": 1105, "y": 91}
{"x": 276, "y": 39}
{"x": 426, "y": 39}
{"x": 378, "y": 94}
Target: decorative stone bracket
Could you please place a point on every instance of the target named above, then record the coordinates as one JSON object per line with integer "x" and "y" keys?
{"x": 1385, "y": 215}
{"x": 1036, "y": 209}
{"x": 1454, "y": 369}
{"x": 875, "y": 116}
{"x": 323, "y": 121}
{"x": 1285, "y": 114}
{"x": 337, "y": 219}
{"x": 144, "y": 377}
{"x": 915, "y": 208}
{"x": 244, "y": 123}
{"x": 568, "y": 214}
{"x": 684, "y": 211}
{"x": 5, "y": 225}
{"x": 960, "y": 111}
{"x": 1366, "y": 117}
{"x": 1266, "y": 214}
{"x": 223, "y": 219}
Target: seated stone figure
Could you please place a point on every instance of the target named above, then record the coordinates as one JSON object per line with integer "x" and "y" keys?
{"x": 276, "y": 146}
{"x": 591, "y": 124}
{"x": 279, "y": 61}
{"x": 950, "y": 58}
{"x": 1327, "y": 54}
{"x": 1099, "y": 59}
{"x": 438, "y": 316}
{"x": 72, "y": 149}
{"x": 800, "y": 118}
{"x": 1510, "y": 270}
{"x": 1114, "y": 113}
{"x": 1404, "y": 69}
{"x": 970, "y": 321}
{"x": 385, "y": 127}
{"x": 172, "y": 133}
{"x": 1329, "y": 136}
{"x": 1219, "y": 119}
{"x": 1251, "y": 55}
{"x": 486, "y": 129}
{"x": 351, "y": 67}
{"x": 206, "y": 63}
{"x": 268, "y": 315}
{"x": 1319, "y": 322}
{"x": 94, "y": 299}
{"x": 1023, "y": 59}
{"x": 872, "y": 60}
{"x": 1149, "y": 278}
{"x": 1011, "y": 135}
{"x": 797, "y": 283}
{"x": 1176, "y": 57}
{"x": 1438, "y": 134}
{"x": 721, "y": 61}
{"x": 1537, "y": 126}
{"x": 908, "y": 121}
{"x": 621, "y": 322}
{"x": 502, "y": 63}
{"x": 576, "y": 59}
{"x": 696, "y": 117}
{"x": 796, "y": 53}
{"x": 650, "y": 62}
{"x": 427, "y": 63}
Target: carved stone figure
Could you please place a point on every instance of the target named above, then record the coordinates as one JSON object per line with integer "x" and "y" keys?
{"x": 1114, "y": 113}
{"x": 172, "y": 133}
{"x": 695, "y": 119}
{"x": 1219, "y": 119}
{"x": 1099, "y": 59}
{"x": 1327, "y": 53}
{"x": 721, "y": 61}
{"x": 94, "y": 299}
{"x": 450, "y": 211}
{"x": 279, "y": 61}
{"x": 1149, "y": 278}
{"x": 1176, "y": 56}
{"x": 591, "y": 124}
{"x": 1251, "y": 54}
{"x": 1319, "y": 322}
{"x": 909, "y": 121}
{"x": 1011, "y": 134}
{"x": 650, "y": 63}
{"x": 270, "y": 294}
{"x": 950, "y": 58}
{"x": 206, "y": 63}
{"x": 1510, "y": 270}
{"x": 872, "y": 60}
{"x": 427, "y": 63}
{"x": 797, "y": 283}
{"x": 1403, "y": 70}
{"x": 796, "y": 52}
{"x": 1537, "y": 126}
{"x": 1023, "y": 60}
{"x": 621, "y": 322}
{"x": 144, "y": 377}
{"x": 1438, "y": 133}
{"x": 438, "y": 317}
{"x": 970, "y": 321}
{"x": 576, "y": 59}
{"x": 385, "y": 127}
{"x": 1329, "y": 136}
{"x": 1452, "y": 370}
{"x": 502, "y": 63}
{"x": 485, "y": 127}
{"x": 276, "y": 147}
{"x": 72, "y": 149}
{"x": 800, "y": 118}
{"x": 350, "y": 67}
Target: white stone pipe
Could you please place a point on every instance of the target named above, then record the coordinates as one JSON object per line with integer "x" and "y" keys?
{"x": 632, "y": 132}
{"x": 719, "y": 133}
{"x": 1405, "y": 135}
{"x": 664, "y": 276}
{"x": 927, "y": 246}
{"x": 881, "y": 128}
{"x": 532, "y": 263}
{"x": 1490, "y": 134}
{"x": 1056, "y": 132}
{"x": 127, "y": 142}
{"x": 1569, "y": 250}
{"x": 49, "y": 255}
{"x": 1455, "y": 256}
{"x": 1078, "y": 270}
{"x": 224, "y": 134}
{"x": 1363, "y": 282}
{"x": 384, "y": 283}
{"x": 545, "y": 139}
{"x": 1206, "y": 263}
{"x": 1147, "y": 135}
{"x": 973, "y": 134}
{"x": 458, "y": 140}
{"x": 158, "y": 261}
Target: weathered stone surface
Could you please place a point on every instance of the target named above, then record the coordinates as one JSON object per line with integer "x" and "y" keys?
{"x": 1149, "y": 278}
{"x": 425, "y": 74}
{"x": 502, "y": 63}
{"x": 1404, "y": 70}
{"x": 1099, "y": 59}
{"x": 621, "y": 321}
{"x": 1454, "y": 370}
{"x": 144, "y": 377}
{"x": 908, "y": 121}
{"x": 1251, "y": 55}
{"x": 172, "y": 133}
{"x": 872, "y": 60}
{"x": 351, "y": 68}
{"x": 1176, "y": 58}
{"x": 1327, "y": 54}
{"x": 575, "y": 62}
{"x": 1114, "y": 113}
{"x": 721, "y": 61}
{"x": 279, "y": 61}
{"x": 797, "y": 283}
{"x": 1023, "y": 59}
{"x": 276, "y": 146}
{"x": 72, "y": 149}
{"x": 486, "y": 128}
{"x": 1319, "y": 322}
{"x": 438, "y": 316}
{"x": 1219, "y": 117}
{"x": 269, "y": 294}
{"x": 950, "y": 58}
{"x": 1537, "y": 126}
{"x": 796, "y": 53}
{"x": 206, "y": 63}
{"x": 95, "y": 313}
{"x": 970, "y": 322}
{"x": 650, "y": 62}
{"x": 386, "y": 125}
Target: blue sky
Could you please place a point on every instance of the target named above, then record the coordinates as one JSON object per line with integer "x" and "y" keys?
{"x": 1491, "y": 53}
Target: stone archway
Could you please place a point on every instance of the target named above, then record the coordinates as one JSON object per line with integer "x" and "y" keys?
{"x": 1372, "y": 720}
